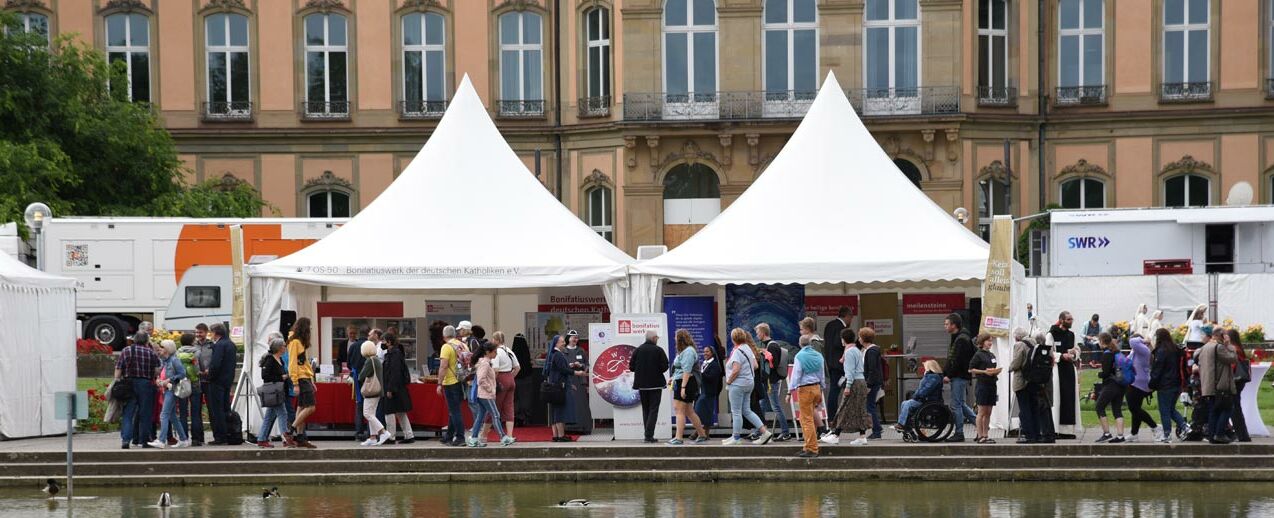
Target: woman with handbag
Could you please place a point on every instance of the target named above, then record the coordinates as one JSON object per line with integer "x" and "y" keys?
{"x": 1242, "y": 375}
{"x": 174, "y": 375}
{"x": 372, "y": 379}
{"x": 557, "y": 375}
{"x": 397, "y": 398}
{"x": 685, "y": 389}
{"x": 273, "y": 395}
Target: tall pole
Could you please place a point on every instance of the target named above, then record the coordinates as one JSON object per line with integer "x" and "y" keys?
{"x": 70, "y": 449}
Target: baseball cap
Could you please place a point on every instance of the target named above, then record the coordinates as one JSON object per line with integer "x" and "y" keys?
{"x": 465, "y": 324}
{"x": 572, "y": 333}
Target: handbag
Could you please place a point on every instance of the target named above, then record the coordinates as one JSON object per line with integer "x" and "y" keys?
{"x": 1243, "y": 373}
{"x": 271, "y": 394}
{"x": 122, "y": 390}
{"x": 371, "y": 386}
{"x": 182, "y": 390}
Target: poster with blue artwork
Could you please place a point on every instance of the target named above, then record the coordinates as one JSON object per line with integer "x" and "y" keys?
{"x": 695, "y": 315}
{"x": 779, "y": 305}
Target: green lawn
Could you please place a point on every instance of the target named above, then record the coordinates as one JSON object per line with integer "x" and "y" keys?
{"x": 1264, "y": 400}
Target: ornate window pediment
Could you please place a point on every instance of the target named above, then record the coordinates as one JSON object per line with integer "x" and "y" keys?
{"x": 22, "y": 5}
{"x": 225, "y": 5}
{"x": 1188, "y": 164}
{"x": 126, "y": 6}
{"x": 996, "y": 170}
{"x": 1083, "y": 168}
{"x": 328, "y": 181}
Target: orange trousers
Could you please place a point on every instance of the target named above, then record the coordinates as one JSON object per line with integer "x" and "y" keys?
{"x": 807, "y": 398}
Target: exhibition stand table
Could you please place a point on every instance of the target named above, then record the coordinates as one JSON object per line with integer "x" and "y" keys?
{"x": 1255, "y": 426}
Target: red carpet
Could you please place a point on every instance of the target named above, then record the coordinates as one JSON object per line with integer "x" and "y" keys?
{"x": 526, "y": 434}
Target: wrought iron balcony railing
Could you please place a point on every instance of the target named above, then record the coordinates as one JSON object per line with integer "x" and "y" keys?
{"x": 997, "y": 96}
{"x": 528, "y": 109}
{"x": 421, "y": 109}
{"x": 783, "y": 104}
{"x": 594, "y": 106}
{"x": 222, "y": 111}
{"x": 1185, "y": 92}
{"x": 1091, "y": 95}
{"x": 320, "y": 110}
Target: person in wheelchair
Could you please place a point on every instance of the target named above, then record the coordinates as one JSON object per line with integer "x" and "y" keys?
{"x": 930, "y": 390}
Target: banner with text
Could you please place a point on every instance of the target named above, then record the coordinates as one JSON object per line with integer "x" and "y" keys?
{"x": 694, "y": 314}
{"x": 922, "y": 317}
{"x": 824, "y": 308}
{"x": 999, "y": 279}
{"x": 630, "y": 332}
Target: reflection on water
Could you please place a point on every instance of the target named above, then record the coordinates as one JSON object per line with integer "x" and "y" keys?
{"x": 732, "y": 500}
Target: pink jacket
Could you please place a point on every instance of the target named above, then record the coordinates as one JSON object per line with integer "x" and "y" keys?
{"x": 486, "y": 379}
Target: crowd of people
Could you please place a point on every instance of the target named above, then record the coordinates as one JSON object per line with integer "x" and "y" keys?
{"x": 832, "y": 388}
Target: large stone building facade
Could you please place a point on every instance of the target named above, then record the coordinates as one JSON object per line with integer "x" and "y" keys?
{"x": 648, "y": 117}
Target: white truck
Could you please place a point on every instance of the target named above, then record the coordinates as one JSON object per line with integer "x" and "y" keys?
{"x": 1160, "y": 241}
{"x": 172, "y": 271}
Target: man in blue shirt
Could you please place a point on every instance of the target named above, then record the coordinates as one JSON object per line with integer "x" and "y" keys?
{"x": 808, "y": 381}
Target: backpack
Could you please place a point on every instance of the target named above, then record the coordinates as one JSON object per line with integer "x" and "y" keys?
{"x": 234, "y": 429}
{"x": 1039, "y": 367}
{"x": 766, "y": 363}
{"x": 788, "y": 356}
{"x": 1123, "y": 370}
{"x": 463, "y": 371}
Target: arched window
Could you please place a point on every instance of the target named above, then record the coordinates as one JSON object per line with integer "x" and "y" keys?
{"x": 1187, "y": 190}
{"x": 128, "y": 42}
{"x": 329, "y": 204}
{"x": 1081, "y": 52}
{"x": 600, "y": 212}
{"x": 326, "y": 70}
{"x": 993, "y": 51}
{"x": 892, "y": 56}
{"x": 790, "y": 32}
{"x": 521, "y": 64}
{"x": 690, "y": 52}
{"x": 909, "y": 170}
{"x": 597, "y": 45}
{"x": 692, "y": 197}
{"x": 424, "y": 65}
{"x": 229, "y": 77}
{"x": 32, "y": 22}
{"x": 1083, "y": 193}
{"x": 994, "y": 199}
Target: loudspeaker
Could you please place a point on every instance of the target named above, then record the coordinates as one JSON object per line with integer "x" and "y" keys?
{"x": 287, "y": 319}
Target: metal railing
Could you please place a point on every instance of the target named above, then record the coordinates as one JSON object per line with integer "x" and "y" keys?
{"x": 235, "y": 111}
{"x": 421, "y": 109}
{"x": 594, "y": 106}
{"x": 781, "y": 104}
{"x": 321, "y": 110}
{"x": 521, "y": 108}
{"x": 997, "y": 96}
{"x": 921, "y": 100}
{"x": 1185, "y": 92}
{"x": 1080, "y": 95}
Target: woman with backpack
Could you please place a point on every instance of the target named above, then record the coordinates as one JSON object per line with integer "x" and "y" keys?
{"x": 685, "y": 388}
{"x": 1167, "y": 380}
{"x": 1112, "y": 388}
{"x": 397, "y": 399}
{"x": 373, "y": 368}
{"x": 1139, "y": 389}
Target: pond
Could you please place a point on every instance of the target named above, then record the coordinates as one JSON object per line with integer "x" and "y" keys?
{"x": 902, "y": 499}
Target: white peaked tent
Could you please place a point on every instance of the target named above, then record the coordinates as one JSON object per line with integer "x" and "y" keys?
{"x": 37, "y": 348}
{"x": 831, "y": 179}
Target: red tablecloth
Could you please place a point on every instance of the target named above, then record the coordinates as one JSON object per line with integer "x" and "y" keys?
{"x": 335, "y": 405}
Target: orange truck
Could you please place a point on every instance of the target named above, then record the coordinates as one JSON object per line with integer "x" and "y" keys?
{"x": 174, "y": 272}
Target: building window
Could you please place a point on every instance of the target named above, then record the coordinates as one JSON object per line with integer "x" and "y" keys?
{"x": 1185, "y": 51}
{"x": 1083, "y": 193}
{"x": 909, "y": 170}
{"x": 424, "y": 65}
{"x": 690, "y": 51}
{"x": 892, "y": 56}
{"x": 34, "y": 23}
{"x": 791, "y": 50}
{"x": 993, "y": 52}
{"x": 1187, "y": 190}
{"x": 128, "y": 42}
{"x": 1081, "y": 65}
{"x": 692, "y": 198}
{"x": 326, "y": 60}
{"x": 226, "y": 40}
{"x": 329, "y": 204}
{"x": 600, "y": 212}
{"x": 521, "y": 64}
{"x": 597, "y": 46}
{"x": 995, "y": 198}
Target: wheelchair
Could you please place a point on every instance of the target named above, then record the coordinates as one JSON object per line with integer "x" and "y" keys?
{"x": 932, "y": 422}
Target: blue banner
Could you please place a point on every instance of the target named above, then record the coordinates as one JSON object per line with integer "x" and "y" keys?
{"x": 694, "y": 314}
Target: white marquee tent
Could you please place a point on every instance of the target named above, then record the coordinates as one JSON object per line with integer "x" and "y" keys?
{"x": 37, "y": 348}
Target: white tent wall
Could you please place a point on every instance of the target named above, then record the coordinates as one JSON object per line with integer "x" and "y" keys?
{"x": 1245, "y": 298}
{"x": 56, "y": 343}
{"x": 37, "y": 349}
{"x": 1177, "y": 296}
{"x": 1240, "y": 297}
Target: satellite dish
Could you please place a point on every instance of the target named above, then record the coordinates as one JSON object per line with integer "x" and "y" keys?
{"x": 1240, "y": 194}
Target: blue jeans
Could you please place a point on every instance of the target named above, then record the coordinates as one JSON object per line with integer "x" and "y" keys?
{"x": 873, "y": 410}
{"x": 272, "y": 414}
{"x": 139, "y": 412}
{"x": 706, "y": 408}
{"x": 960, "y": 412}
{"x": 360, "y": 425}
{"x": 190, "y": 410}
{"x": 906, "y": 409}
{"x": 168, "y": 418}
{"x": 773, "y": 402}
{"x": 1168, "y": 413}
{"x": 455, "y": 420}
{"x": 289, "y": 403}
{"x": 486, "y": 407}
{"x": 740, "y": 407}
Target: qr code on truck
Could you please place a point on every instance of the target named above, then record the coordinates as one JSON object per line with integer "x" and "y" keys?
{"x": 76, "y": 255}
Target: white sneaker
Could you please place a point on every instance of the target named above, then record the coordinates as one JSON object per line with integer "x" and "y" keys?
{"x": 371, "y": 441}
{"x": 1133, "y": 437}
{"x": 829, "y": 438}
{"x": 183, "y": 444}
{"x": 764, "y": 438}
{"x": 384, "y": 437}
{"x": 158, "y": 444}
{"x": 1157, "y": 433}
{"x": 861, "y": 441}
{"x": 732, "y": 441}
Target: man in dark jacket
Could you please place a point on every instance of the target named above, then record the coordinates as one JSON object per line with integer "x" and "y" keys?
{"x": 648, "y": 364}
{"x": 959, "y": 353}
{"x": 355, "y": 360}
{"x": 220, "y": 379}
{"x": 874, "y": 374}
{"x": 835, "y": 370}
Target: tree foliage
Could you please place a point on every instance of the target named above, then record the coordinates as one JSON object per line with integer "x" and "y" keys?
{"x": 71, "y": 141}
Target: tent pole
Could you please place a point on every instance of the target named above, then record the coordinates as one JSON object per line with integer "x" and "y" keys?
{"x": 495, "y": 305}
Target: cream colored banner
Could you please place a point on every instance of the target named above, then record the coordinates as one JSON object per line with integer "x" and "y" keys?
{"x": 999, "y": 278}
{"x": 236, "y": 284}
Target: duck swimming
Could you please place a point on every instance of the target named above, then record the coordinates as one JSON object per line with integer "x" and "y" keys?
{"x": 51, "y": 487}
{"x": 578, "y": 502}
{"x": 165, "y": 500}
{"x": 270, "y": 493}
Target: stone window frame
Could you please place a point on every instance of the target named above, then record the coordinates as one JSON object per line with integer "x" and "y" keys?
{"x": 547, "y": 81}
{"x": 994, "y": 171}
{"x": 1187, "y": 165}
{"x": 351, "y": 56}
{"x": 789, "y": 28}
{"x": 1082, "y": 169}
{"x": 117, "y": 7}
{"x": 411, "y": 7}
{"x": 201, "y": 54}
{"x": 595, "y": 181}
{"x": 1158, "y": 49}
{"x": 583, "y": 10}
{"x": 35, "y": 7}
{"x": 328, "y": 182}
